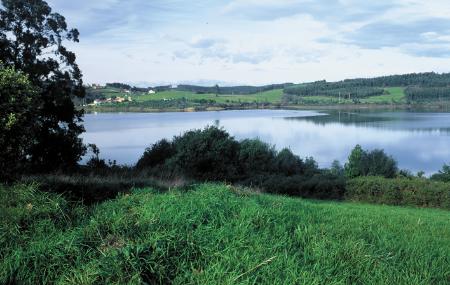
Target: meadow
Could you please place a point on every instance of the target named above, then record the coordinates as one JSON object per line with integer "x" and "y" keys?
{"x": 272, "y": 96}
{"x": 394, "y": 95}
{"x": 217, "y": 234}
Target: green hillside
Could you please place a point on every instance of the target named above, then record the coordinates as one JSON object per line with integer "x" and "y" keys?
{"x": 217, "y": 234}
{"x": 272, "y": 96}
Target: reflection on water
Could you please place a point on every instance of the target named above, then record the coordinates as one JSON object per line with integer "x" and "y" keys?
{"x": 419, "y": 141}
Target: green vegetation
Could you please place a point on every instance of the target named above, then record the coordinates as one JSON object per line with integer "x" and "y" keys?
{"x": 213, "y": 155}
{"x": 426, "y": 94}
{"x": 16, "y": 121}
{"x": 400, "y": 191}
{"x": 422, "y": 88}
{"x": 370, "y": 163}
{"x": 393, "y": 95}
{"x": 157, "y": 223}
{"x": 272, "y": 96}
{"x": 216, "y": 234}
{"x": 48, "y": 79}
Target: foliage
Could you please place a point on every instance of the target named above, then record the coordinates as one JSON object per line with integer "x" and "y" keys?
{"x": 256, "y": 157}
{"x": 318, "y": 186}
{"x": 342, "y": 90}
{"x": 238, "y": 90}
{"x": 93, "y": 188}
{"x": 423, "y": 94}
{"x": 213, "y": 155}
{"x": 31, "y": 41}
{"x": 289, "y": 164}
{"x": 216, "y": 234}
{"x": 208, "y": 154}
{"x": 18, "y": 109}
{"x": 370, "y": 163}
{"x": 157, "y": 154}
{"x": 399, "y": 191}
{"x": 420, "y": 87}
{"x": 443, "y": 175}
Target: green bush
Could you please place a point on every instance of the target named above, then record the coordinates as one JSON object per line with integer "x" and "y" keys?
{"x": 370, "y": 163}
{"x": 208, "y": 154}
{"x": 256, "y": 157}
{"x": 319, "y": 186}
{"x": 157, "y": 154}
{"x": 443, "y": 175}
{"x": 90, "y": 189}
{"x": 288, "y": 163}
{"x": 399, "y": 191}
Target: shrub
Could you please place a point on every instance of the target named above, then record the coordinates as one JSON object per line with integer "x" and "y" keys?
{"x": 157, "y": 154}
{"x": 208, "y": 154}
{"x": 370, "y": 163}
{"x": 399, "y": 191}
{"x": 89, "y": 189}
{"x": 289, "y": 164}
{"x": 319, "y": 186}
{"x": 256, "y": 157}
{"x": 443, "y": 175}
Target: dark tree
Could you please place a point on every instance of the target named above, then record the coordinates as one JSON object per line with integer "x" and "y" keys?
{"x": 17, "y": 107}
{"x": 31, "y": 41}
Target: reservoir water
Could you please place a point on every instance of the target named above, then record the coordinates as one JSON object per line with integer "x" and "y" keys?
{"x": 417, "y": 140}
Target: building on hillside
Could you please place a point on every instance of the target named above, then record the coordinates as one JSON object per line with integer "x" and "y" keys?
{"x": 151, "y": 91}
{"x": 119, "y": 100}
{"x": 97, "y": 86}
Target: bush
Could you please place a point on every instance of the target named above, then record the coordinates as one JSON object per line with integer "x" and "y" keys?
{"x": 370, "y": 163}
{"x": 319, "y": 186}
{"x": 209, "y": 154}
{"x": 443, "y": 175}
{"x": 256, "y": 157}
{"x": 89, "y": 189}
{"x": 289, "y": 164}
{"x": 157, "y": 154}
{"x": 399, "y": 191}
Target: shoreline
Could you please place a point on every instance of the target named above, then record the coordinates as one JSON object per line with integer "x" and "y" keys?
{"x": 137, "y": 109}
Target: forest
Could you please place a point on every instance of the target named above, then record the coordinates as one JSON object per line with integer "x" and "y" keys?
{"x": 419, "y": 87}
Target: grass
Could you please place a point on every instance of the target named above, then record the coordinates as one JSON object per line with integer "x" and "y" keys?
{"x": 395, "y": 95}
{"x": 216, "y": 234}
{"x": 272, "y": 96}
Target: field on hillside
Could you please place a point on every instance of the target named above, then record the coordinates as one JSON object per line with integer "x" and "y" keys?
{"x": 272, "y": 96}
{"x": 217, "y": 234}
{"x": 395, "y": 95}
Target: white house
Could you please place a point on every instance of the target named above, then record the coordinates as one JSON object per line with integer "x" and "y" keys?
{"x": 151, "y": 92}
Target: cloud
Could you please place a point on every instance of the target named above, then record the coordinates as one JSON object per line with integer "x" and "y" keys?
{"x": 326, "y": 10}
{"x": 256, "y": 41}
{"x": 205, "y": 42}
{"x": 426, "y": 37}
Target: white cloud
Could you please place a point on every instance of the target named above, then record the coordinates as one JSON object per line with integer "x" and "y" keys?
{"x": 257, "y": 41}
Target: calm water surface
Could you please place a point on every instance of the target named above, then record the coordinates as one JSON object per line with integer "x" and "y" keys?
{"x": 418, "y": 141}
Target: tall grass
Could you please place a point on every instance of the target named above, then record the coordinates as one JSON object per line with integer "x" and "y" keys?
{"x": 217, "y": 234}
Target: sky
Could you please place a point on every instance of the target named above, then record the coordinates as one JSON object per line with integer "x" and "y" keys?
{"x": 153, "y": 42}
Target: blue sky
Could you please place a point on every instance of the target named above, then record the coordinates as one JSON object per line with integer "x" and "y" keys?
{"x": 148, "y": 42}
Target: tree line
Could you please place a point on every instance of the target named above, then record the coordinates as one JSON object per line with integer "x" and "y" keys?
{"x": 238, "y": 90}
{"x": 422, "y": 94}
{"x": 420, "y": 87}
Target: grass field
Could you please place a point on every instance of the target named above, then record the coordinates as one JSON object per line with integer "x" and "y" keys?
{"x": 216, "y": 234}
{"x": 395, "y": 95}
{"x": 273, "y": 96}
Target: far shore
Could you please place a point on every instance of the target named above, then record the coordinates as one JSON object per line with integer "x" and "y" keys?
{"x": 137, "y": 109}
